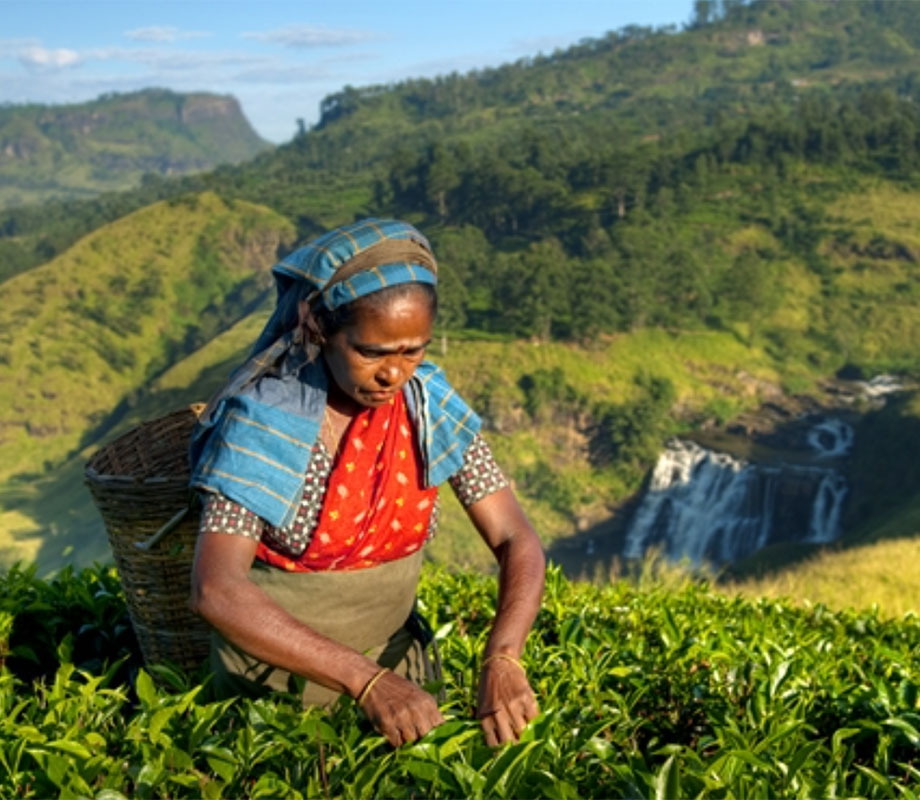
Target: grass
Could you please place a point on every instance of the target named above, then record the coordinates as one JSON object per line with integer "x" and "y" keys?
{"x": 85, "y": 330}
{"x": 884, "y": 575}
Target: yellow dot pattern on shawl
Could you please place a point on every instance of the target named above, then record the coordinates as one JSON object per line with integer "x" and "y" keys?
{"x": 366, "y": 521}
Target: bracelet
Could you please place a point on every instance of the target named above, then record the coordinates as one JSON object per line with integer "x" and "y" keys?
{"x": 503, "y": 657}
{"x": 370, "y": 685}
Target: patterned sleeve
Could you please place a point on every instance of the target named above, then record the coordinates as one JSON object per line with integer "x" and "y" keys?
{"x": 221, "y": 515}
{"x": 479, "y": 476}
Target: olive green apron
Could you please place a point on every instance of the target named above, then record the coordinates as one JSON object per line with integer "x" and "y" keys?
{"x": 369, "y": 610}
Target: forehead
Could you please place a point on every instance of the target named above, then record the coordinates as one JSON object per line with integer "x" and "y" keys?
{"x": 396, "y": 320}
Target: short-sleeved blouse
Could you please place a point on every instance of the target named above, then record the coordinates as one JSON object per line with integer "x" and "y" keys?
{"x": 479, "y": 477}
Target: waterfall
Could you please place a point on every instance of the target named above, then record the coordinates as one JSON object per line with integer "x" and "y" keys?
{"x": 831, "y": 438}
{"x": 708, "y": 506}
{"x": 825, "y": 513}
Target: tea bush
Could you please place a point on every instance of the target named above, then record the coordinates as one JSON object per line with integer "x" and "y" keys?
{"x": 649, "y": 691}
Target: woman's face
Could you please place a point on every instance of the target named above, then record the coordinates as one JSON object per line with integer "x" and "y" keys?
{"x": 372, "y": 358}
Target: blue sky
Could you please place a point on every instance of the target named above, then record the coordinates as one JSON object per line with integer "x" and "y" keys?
{"x": 279, "y": 57}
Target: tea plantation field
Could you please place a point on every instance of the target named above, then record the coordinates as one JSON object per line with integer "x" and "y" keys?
{"x": 646, "y": 690}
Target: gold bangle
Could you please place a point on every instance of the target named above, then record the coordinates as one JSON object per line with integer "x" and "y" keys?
{"x": 503, "y": 657}
{"x": 370, "y": 685}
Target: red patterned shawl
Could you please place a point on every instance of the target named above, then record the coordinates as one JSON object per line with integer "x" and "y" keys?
{"x": 376, "y": 507}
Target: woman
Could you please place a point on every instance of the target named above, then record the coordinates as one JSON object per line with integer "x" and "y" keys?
{"x": 320, "y": 462}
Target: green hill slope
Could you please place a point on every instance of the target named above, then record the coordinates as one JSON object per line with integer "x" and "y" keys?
{"x": 83, "y": 331}
{"x": 576, "y": 426}
{"x": 73, "y": 151}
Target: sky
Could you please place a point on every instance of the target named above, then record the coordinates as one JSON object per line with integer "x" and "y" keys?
{"x": 279, "y": 58}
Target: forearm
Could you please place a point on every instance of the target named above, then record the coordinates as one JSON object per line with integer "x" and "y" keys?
{"x": 522, "y": 569}
{"x": 249, "y": 619}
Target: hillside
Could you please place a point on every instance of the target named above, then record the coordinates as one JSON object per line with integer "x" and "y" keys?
{"x": 82, "y": 332}
{"x": 576, "y": 425}
{"x": 73, "y": 151}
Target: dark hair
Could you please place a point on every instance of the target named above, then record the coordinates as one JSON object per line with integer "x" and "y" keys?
{"x": 329, "y": 322}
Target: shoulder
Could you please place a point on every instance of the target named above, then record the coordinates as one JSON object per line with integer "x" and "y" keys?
{"x": 479, "y": 475}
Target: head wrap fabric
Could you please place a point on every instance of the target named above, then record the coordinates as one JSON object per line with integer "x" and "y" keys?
{"x": 345, "y": 264}
{"x": 253, "y": 442}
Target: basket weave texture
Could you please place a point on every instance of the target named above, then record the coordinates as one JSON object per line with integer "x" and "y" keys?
{"x": 139, "y": 482}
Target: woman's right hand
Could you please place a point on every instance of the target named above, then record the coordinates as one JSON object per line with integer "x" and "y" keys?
{"x": 400, "y": 710}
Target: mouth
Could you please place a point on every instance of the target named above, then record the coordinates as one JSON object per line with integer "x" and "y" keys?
{"x": 379, "y": 397}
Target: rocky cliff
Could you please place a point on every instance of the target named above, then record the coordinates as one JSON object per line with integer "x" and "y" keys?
{"x": 110, "y": 143}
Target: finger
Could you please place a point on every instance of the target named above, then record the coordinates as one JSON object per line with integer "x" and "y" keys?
{"x": 489, "y": 730}
{"x": 517, "y": 720}
{"x": 427, "y": 717}
{"x": 423, "y": 720}
{"x": 393, "y": 737}
{"x": 503, "y": 727}
{"x": 529, "y": 706}
{"x": 436, "y": 719}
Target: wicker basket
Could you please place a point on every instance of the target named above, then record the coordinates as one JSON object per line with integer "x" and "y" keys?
{"x": 140, "y": 485}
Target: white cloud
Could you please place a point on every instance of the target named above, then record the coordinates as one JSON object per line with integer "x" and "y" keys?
{"x": 37, "y": 57}
{"x": 169, "y": 59}
{"x": 312, "y": 36}
{"x": 163, "y": 34}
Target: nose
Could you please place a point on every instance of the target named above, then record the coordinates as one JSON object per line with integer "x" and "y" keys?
{"x": 389, "y": 373}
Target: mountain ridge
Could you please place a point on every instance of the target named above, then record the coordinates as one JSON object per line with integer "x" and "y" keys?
{"x": 82, "y": 149}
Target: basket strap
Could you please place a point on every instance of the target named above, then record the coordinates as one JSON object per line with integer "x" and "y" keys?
{"x": 164, "y": 531}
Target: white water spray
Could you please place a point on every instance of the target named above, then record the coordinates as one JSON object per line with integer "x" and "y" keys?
{"x": 708, "y": 506}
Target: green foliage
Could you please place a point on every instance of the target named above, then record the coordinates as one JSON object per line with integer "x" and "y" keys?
{"x": 547, "y": 393}
{"x": 78, "y": 617}
{"x": 656, "y": 690}
{"x": 883, "y": 471}
{"x": 551, "y": 486}
{"x": 630, "y": 434}
{"x": 82, "y": 333}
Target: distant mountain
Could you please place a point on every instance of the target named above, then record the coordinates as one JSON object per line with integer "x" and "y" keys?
{"x": 73, "y": 151}
{"x": 658, "y": 89}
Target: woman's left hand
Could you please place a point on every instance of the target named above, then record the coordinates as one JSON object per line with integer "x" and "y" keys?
{"x": 506, "y": 702}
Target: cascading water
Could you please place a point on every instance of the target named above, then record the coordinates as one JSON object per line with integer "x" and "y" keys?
{"x": 709, "y": 506}
{"x": 831, "y": 438}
